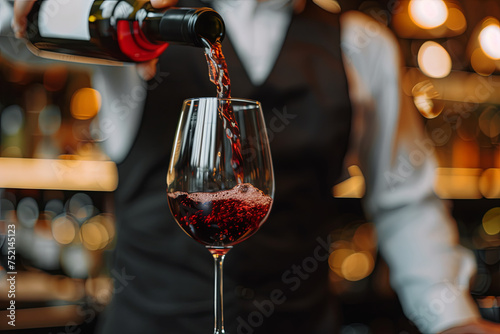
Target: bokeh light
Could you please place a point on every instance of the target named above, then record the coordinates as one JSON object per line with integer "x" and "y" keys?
{"x": 28, "y": 212}
{"x": 94, "y": 236}
{"x": 428, "y": 14}
{"x": 489, "y": 183}
{"x": 97, "y": 232}
{"x": 424, "y": 97}
{"x": 456, "y": 20}
{"x": 108, "y": 222}
{"x": 489, "y": 122}
{"x": 456, "y": 182}
{"x": 337, "y": 258}
{"x": 64, "y": 229}
{"x": 434, "y": 60}
{"x": 331, "y": 6}
{"x": 357, "y": 266}
{"x": 428, "y": 19}
{"x": 12, "y": 120}
{"x": 80, "y": 206}
{"x": 489, "y": 39}
{"x": 353, "y": 187}
{"x": 85, "y": 103}
{"x": 481, "y": 63}
{"x": 354, "y": 251}
{"x": 6, "y": 208}
{"x": 54, "y": 206}
{"x": 75, "y": 261}
{"x": 491, "y": 221}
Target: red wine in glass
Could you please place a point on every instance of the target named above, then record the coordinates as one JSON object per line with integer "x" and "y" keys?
{"x": 222, "y": 218}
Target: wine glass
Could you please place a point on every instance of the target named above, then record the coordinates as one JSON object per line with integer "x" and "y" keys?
{"x": 220, "y": 182}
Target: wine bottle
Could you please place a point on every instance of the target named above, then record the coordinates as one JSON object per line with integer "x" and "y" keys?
{"x": 115, "y": 31}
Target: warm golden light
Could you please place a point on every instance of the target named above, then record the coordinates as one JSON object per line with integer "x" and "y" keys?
{"x": 85, "y": 103}
{"x": 329, "y": 5}
{"x": 458, "y": 183}
{"x": 481, "y": 63}
{"x": 489, "y": 183}
{"x": 428, "y": 14}
{"x": 337, "y": 258}
{"x": 424, "y": 94}
{"x": 491, "y": 221}
{"x": 357, "y": 266}
{"x": 107, "y": 222}
{"x": 428, "y": 19}
{"x": 64, "y": 229}
{"x": 59, "y": 174}
{"x": 451, "y": 183}
{"x": 456, "y": 20}
{"x": 489, "y": 39}
{"x": 434, "y": 60}
{"x": 353, "y": 187}
{"x": 93, "y": 235}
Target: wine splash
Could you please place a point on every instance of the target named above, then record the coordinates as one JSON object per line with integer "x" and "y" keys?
{"x": 219, "y": 76}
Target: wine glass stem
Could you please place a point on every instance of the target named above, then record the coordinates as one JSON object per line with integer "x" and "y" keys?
{"x": 218, "y": 294}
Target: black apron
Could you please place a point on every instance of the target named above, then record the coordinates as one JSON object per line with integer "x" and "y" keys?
{"x": 276, "y": 281}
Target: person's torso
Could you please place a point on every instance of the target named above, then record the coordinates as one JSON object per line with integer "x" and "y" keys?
{"x": 307, "y": 110}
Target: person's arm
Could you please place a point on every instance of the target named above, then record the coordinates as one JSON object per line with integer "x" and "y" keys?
{"x": 430, "y": 271}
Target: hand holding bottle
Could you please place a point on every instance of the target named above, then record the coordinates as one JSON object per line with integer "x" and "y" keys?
{"x": 147, "y": 70}
{"x": 21, "y": 11}
{"x": 22, "y": 8}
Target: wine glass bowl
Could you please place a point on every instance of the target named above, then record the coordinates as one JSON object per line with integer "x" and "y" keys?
{"x": 207, "y": 198}
{"x": 220, "y": 183}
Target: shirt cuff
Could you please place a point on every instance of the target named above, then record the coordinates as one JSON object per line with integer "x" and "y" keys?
{"x": 443, "y": 307}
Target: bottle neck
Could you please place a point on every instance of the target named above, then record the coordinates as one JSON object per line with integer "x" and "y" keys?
{"x": 187, "y": 26}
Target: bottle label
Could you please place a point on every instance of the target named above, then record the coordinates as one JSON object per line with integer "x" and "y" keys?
{"x": 66, "y": 19}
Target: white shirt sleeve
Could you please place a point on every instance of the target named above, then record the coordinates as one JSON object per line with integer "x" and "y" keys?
{"x": 123, "y": 95}
{"x": 430, "y": 271}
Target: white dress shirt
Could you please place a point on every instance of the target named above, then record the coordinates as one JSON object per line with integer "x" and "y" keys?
{"x": 429, "y": 270}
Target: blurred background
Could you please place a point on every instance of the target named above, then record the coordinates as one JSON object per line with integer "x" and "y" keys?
{"x": 56, "y": 185}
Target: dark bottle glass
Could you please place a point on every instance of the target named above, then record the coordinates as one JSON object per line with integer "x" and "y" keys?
{"x": 111, "y": 31}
